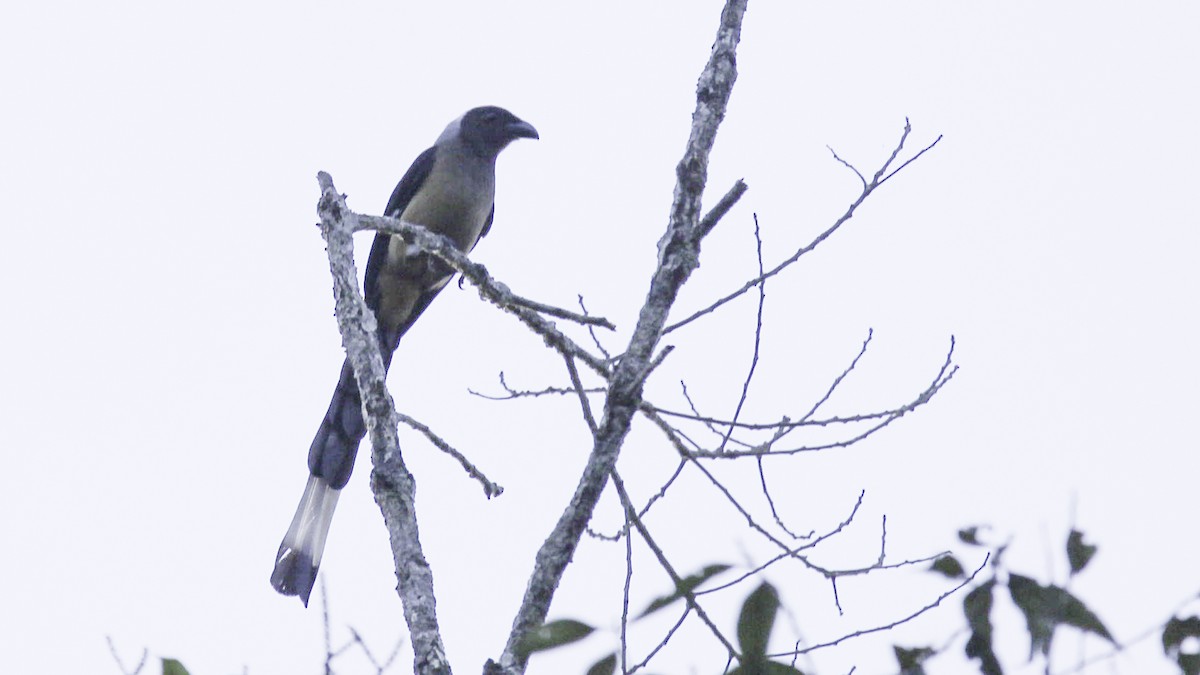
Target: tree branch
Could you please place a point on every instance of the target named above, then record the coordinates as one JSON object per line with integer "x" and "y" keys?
{"x": 678, "y": 251}
{"x": 393, "y": 486}
{"x": 868, "y": 188}
{"x": 494, "y": 291}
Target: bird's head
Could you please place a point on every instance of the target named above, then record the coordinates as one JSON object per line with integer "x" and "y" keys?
{"x": 489, "y": 129}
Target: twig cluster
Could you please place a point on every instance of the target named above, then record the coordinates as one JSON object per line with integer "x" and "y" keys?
{"x": 609, "y": 390}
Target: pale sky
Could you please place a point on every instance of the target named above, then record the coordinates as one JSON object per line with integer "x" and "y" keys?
{"x": 170, "y": 345}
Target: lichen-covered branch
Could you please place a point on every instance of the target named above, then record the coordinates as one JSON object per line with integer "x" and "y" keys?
{"x": 392, "y": 484}
{"x": 678, "y": 252}
{"x": 528, "y": 311}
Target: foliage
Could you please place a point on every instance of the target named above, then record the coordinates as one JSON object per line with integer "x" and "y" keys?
{"x": 1046, "y": 608}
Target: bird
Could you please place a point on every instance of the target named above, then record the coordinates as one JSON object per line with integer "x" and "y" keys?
{"x": 450, "y": 190}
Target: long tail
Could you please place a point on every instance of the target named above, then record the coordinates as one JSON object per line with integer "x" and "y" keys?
{"x": 330, "y": 461}
{"x": 300, "y": 553}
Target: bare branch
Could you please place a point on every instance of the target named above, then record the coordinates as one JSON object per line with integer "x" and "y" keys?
{"x": 912, "y": 159}
{"x": 710, "y": 219}
{"x": 688, "y": 595}
{"x": 791, "y": 552}
{"x": 662, "y": 492}
{"x": 490, "y": 489}
{"x": 837, "y": 381}
{"x": 850, "y": 166}
{"x": 527, "y": 311}
{"x": 592, "y": 332}
{"x": 678, "y": 252}
{"x": 943, "y": 377}
{"x": 625, "y": 596}
{"x": 709, "y": 423}
{"x": 112, "y": 649}
{"x": 583, "y": 400}
{"x": 762, "y": 481}
{"x": 687, "y": 611}
{"x": 758, "y": 325}
{"x": 893, "y": 624}
{"x": 510, "y": 393}
{"x": 392, "y": 484}
{"x": 868, "y": 188}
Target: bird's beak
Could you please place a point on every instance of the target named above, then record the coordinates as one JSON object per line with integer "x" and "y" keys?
{"x": 520, "y": 129}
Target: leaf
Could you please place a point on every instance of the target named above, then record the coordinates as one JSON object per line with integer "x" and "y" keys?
{"x": 997, "y": 554}
{"x": 1078, "y": 553}
{"x": 553, "y": 634}
{"x": 1174, "y": 633}
{"x": 949, "y": 566}
{"x": 910, "y": 660}
{"x": 978, "y": 608}
{"x": 756, "y": 620}
{"x": 605, "y": 666}
{"x": 173, "y": 667}
{"x": 686, "y": 585}
{"x": 1047, "y": 607}
{"x": 970, "y": 535}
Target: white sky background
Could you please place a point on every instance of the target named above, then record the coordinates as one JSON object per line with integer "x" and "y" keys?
{"x": 170, "y": 346}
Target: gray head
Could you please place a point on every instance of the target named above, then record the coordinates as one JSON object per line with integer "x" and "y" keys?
{"x": 488, "y": 130}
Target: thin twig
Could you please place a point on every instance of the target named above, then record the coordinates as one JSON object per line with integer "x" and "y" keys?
{"x": 592, "y": 332}
{"x": 893, "y": 624}
{"x": 758, "y": 325}
{"x": 791, "y": 552}
{"x": 688, "y": 595}
{"x": 511, "y": 394}
{"x": 583, "y": 400}
{"x": 112, "y": 649}
{"x": 878, "y": 180}
{"x": 490, "y": 489}
{"x": 762, "y": 481}
{"x": 662, "y": 492}
{"x": 687, "y": 611}
{"x": 943, "y": 377}
{"x": 625, "y": 599}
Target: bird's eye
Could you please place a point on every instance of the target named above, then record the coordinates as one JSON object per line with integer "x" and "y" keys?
{"x": 490, "y": 116}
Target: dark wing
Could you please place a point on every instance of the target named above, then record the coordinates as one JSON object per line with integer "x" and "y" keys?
{"x": 405, "y": 189}
{"x": 487, "y": 225}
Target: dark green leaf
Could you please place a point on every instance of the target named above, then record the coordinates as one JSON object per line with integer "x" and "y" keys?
{"x": 910, "y": 660}
{"x": 1077, "y": 615}
{"x": 949, "y": 566}
{"x": 553, "y": 634}
{"x": 1078, "y": 553}
{"x": 605, "y": 666}
{"x": 1047, "y": 607}
{"x": 1034, "y": 603}
{"x": 686, "y": 585}
{"x": 173, "y": 667}
{"x": 970, "y": 535}
{"x": 1174, "y": 633}
{"x": 978, "y": 608}
{"x": 756, "y": 620}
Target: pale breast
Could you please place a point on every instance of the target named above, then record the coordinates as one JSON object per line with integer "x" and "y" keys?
{"x": 455, "y": 198}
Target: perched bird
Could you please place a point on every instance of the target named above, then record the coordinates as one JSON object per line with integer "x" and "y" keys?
{"x": 449, "y": 189}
